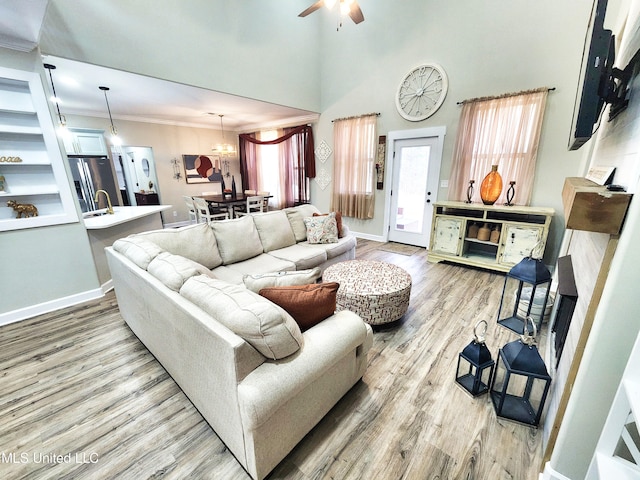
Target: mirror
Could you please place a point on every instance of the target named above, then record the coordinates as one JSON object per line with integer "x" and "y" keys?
{"x": 145, "y": 167}
{"x": 139, "y": 171}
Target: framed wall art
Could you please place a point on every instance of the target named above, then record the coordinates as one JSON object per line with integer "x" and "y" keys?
{"x": 202, "y": 168}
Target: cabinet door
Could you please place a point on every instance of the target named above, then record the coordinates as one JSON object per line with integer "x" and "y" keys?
{"x": 447, "y": 236}
{"x": 519, "y": 241}
{"x": 80, "y": 142}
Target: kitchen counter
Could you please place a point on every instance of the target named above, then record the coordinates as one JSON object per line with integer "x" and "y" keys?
{"x": 100, "y": 219}
{"x": 104, "y": 229}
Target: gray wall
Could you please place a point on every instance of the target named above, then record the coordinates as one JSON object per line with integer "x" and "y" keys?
{"x": 46, "y": 264}
{"x": 264, "y": 51}
{"x": 168, "y": 142}
{"x": 253, "y": 48}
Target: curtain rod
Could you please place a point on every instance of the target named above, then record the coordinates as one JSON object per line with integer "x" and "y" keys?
{"x": 506, "y": 95}
{"x": 377, "y": 114}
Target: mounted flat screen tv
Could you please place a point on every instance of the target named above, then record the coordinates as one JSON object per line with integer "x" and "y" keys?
{"x": 594, "y": 77}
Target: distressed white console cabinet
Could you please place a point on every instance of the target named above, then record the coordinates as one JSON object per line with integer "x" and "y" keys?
{"x": 520, "y": 230}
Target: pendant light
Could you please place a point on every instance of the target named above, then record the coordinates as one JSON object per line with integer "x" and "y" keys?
{"x": 224, "y": 149}
{"x": 115, "y": 139}
{"x": 62, "y": 121}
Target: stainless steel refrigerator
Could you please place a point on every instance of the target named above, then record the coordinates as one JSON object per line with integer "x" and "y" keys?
{"x": 91, "y": 174}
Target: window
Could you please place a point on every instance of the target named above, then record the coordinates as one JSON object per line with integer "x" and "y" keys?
{"x": 501, "y": 131}
{"x": 355, "y": 149}
{"x": 280, "y": 162}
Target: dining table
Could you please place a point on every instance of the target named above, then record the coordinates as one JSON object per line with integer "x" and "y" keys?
{"x": 228, "y": 200}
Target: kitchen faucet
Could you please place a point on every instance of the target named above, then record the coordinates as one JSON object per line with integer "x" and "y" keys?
{"x": 110, "y": 209}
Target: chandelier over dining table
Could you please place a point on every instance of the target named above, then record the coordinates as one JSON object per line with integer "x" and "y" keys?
{"x": 224, "y": 149}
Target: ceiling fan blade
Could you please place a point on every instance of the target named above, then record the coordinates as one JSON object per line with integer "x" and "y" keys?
{"x": 319, "y": 4}
{"x": 355, "y": 13}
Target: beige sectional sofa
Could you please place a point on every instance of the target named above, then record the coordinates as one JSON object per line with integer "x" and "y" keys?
{"x": 259, "y": 381}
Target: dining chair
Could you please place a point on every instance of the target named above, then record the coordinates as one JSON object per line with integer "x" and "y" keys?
{"x": 218, "y": 208}
{"x": 255, "y": 204}
{"x": 265, "y": 200}
{"x": 193, "y": 214}
{"x": 202, "y": 207}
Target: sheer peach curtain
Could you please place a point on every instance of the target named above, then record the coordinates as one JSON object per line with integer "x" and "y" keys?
{"x": 501, "y": 131}
{"x": 354, "y": 142}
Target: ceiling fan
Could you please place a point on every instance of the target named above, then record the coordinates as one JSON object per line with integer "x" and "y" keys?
{"x": 347, "y": 7}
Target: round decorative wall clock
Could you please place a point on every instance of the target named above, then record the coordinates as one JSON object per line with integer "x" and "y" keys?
{"x": 421, "y": 92}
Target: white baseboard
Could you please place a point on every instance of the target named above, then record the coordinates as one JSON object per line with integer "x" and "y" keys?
{"x": 107, "y": 286}
{"x": 367, "y": 236}
{"x": 50, "y": 306}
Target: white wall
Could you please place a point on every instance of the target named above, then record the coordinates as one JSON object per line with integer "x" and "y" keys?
{"x": 616, "y": 323}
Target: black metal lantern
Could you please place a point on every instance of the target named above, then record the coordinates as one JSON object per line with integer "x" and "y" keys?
{"x": 521, "y": 382}
{"x": 475, "y": 365}
{"x": 525, "y": 294}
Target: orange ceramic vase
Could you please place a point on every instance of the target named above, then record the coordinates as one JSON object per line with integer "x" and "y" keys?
{"x": 491, "y": 186}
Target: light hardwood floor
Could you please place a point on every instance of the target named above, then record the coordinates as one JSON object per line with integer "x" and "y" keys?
{"x": 78, "y": 384}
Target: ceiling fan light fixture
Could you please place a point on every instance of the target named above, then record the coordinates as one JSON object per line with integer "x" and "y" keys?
{"x": 329, "y": 4}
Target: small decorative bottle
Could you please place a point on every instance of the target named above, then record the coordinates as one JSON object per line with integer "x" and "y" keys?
{"x": 223, "y": 187}
{"x": 484, "y": 232}
{"x": 495, "y": 234}
{"x": 473, "y": 230}
{"x": 233, "y": 186}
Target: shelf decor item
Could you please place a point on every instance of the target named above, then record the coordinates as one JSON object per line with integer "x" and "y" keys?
{"x": 23, "y": 210}
{"x": 484, "y": 233}
{"x": 511, "y": 192}
{"x": 520, "y": 384}
{"x": 475, "y": 365}
{"x": 491, "y": 186}
{"x": 473, "y": 230}
{"x": 519, "y": 300}
{"x": 470, "y": 191}
{"x": 495, "y": 234}
{"x": 3, "y": 184}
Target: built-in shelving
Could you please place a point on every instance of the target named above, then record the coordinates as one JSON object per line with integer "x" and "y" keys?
{"x": 30, "y": 158}
{"x": 617, "y": 454}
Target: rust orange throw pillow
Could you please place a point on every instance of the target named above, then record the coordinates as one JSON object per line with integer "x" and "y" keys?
{"x": 338, "y": 221}
{"x": 307, "y": 304}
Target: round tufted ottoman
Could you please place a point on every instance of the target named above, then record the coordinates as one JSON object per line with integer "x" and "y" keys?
{"x": 377, "y": 291}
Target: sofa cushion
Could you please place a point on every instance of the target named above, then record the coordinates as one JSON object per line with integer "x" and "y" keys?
{"x": 333, "y": 249}
{"x": 302, "y": 256}
{"x": 322, "y": 229}
{"x": 195, "y": 242}
{"x": 338, "y": 221}
{"x": 262, "y": 263}
{"x": 307, "y": 304}
{"x": 296, "y": 216}
{"x": 274, "y": 230}
{"x": 237, "y": 239}
{"x": 174, "y": 270}
{"x": 281, "y": 279}
{"x": 138, "y": 250}
{"x": 261, "y": 323}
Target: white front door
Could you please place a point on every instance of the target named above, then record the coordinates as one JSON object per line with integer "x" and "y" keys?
{"x": 416, "y": 168}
